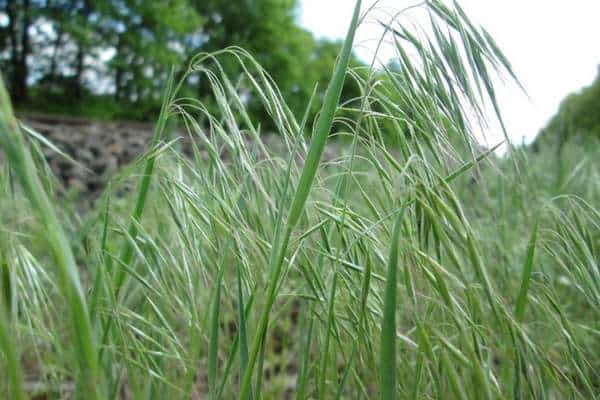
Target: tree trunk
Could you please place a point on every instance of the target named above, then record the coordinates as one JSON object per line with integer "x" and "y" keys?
{"x": 20, "y": 49}
{"x": 19, "y": 82}
{"x": 53, "y": 61}
{"x": 118, "y": 72}
{"x": 82, "y": 46}
{"x": 79, "y": 67}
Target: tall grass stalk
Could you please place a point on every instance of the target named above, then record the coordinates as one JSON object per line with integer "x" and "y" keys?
{"x": 126, "y": 255}
{"x": 11, "y": 353}
{"x": 388, "y": 367}
{"x": 384, "y": 256}
{"x": 311, "y": 165}
{"x": 21, "y": 162}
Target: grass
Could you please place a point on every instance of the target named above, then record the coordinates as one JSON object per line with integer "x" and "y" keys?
{"x": 407, "y": 265}
{"x": 67, "y": 273}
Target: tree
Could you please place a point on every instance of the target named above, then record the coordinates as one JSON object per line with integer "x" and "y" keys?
{"x": 148, "y": 38}
{"x": 20, "y": 14}
{"x": 74, "y": 51}
{"x": 268, "y": 30}
{"x": 577, "y": 118}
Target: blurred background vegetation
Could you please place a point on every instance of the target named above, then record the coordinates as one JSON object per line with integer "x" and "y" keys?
{"x": 110, "y": 59}
{"x": 577, "y": 119}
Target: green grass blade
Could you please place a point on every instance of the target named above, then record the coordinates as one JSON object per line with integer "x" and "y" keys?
{"x": 261, "y": 364}
{"x": 11, "y": 139}
{"x": 243, "y": 339}
{"x": 213, "y": 348}
{"x": 526, "y": 278}
{"x": 10, "y": 350}
{"x": 307, "y": 330}
{"x": 326, "y": 341}
{"x": 144, "y": 188}
{"x": 322, "y": 130}
{"x": 324, "y": 123}
{"x": 346, "y": 375}
{"x": 388, "y": 371}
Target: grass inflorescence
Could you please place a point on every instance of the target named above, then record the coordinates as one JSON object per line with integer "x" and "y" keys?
{"x": 408, "y": 264}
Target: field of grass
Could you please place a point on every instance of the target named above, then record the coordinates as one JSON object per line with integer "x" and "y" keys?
{"x": 410, "y": 266}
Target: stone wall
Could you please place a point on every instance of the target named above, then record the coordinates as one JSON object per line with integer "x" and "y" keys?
{"x": 101, "y": 147}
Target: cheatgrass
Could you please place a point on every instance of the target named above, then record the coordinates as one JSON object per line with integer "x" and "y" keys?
{"x": 381, "y": 254}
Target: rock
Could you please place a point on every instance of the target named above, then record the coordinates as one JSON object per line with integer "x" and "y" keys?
{"x": 103, "y": 147}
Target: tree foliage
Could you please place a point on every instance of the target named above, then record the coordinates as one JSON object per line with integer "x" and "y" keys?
{"x": 115, "y": 55}
{"x": 577, "y": 119}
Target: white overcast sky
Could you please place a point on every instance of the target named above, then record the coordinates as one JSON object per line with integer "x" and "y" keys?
{"x": 554, "y": 46}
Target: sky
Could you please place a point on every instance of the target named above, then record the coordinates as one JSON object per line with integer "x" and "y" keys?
{"x": 553, "y": 45}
